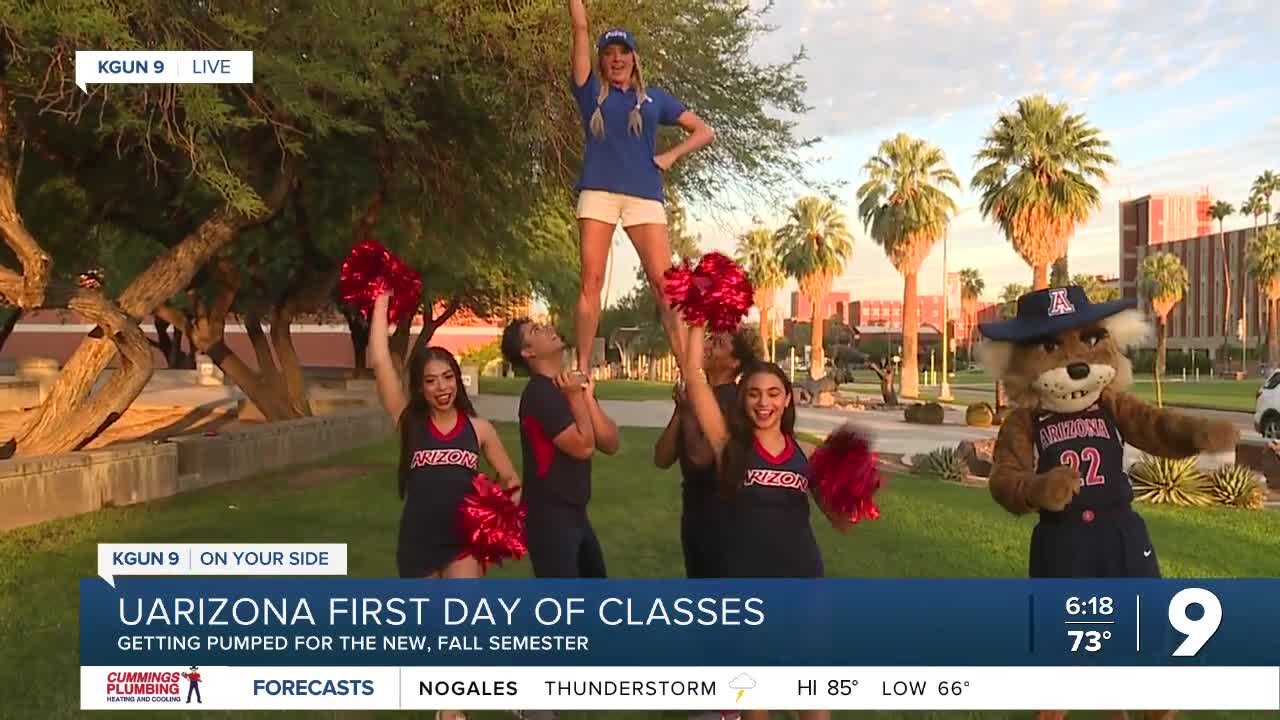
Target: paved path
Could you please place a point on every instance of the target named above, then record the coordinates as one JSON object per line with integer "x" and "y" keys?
{"x": 891, "y": 433}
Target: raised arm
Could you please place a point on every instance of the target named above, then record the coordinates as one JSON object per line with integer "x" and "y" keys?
{"x": 706, "y": 409}
{"x": 581, "y": 42}
{"x": 496, "y": 455}
{"x": 605, "y": 429}
{"x": 575, "y": 437}
{"x": 667, "y": 450}
{"x": 390, "y": 390}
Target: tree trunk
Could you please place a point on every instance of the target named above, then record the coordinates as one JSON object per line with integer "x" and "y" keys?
{"x": 85, "y": 420}
{"x": 26, "y": 290}
{"x": 261, "y": 349}
{"x": 165, "y": 277}
{"x": 1061, "y": 275}
{"x": 1160, "y": 353}
{"x": 1226, "y": 302}
{"x": 295, "y": 384}
{"x": 1039, "y": 277}
{"x": 432, "y": 323}
{"x": 10, "y": 322}
{"x": 206, "y": 330}
{"x": 910, "y": 336}
{"x": 1273, "y": 331}
{"x": 817, "y": 354}
{"x": 359, "y": 331}
{"x": 164, "y": 343}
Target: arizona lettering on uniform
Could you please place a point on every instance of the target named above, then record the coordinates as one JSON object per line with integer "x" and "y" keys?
{"x": 448, "y": 456}
{"x": 778, "y": 478}
{"x": 1074, "y": 429}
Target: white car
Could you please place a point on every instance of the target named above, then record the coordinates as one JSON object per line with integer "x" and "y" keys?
{"x": 1266, "y": 415}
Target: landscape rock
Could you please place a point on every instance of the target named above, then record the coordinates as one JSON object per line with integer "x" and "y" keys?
{"x": 977, "y": 455}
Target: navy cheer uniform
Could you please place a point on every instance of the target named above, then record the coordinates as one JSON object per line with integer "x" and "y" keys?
{"x": 768, "y": 534}
{"x": 701, "y": 515}
{"x": 442, "y": 467}
{"x": 557, "y": 487}
{"x": 1098, "y": 534}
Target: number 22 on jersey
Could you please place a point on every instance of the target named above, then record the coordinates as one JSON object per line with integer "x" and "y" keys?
{"x": 1086, "y": 463}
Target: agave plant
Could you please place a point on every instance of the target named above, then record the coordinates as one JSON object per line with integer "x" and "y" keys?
{"x": 1171, "y": 481}
{"x": 944, "y": 464}
{"x": 1238, "y": 486}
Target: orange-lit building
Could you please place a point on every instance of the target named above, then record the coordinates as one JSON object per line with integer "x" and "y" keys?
{"x": 836, "y": 304}
{"x": 1181, "y": 225}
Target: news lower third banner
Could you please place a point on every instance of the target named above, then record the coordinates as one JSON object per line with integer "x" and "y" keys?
{"x": 909, "y": 644}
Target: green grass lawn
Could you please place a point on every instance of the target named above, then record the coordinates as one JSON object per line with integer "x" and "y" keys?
{"x": 927, "y": 529}
{"x": 969, "y": 387}
{"x": 605, "y": 389}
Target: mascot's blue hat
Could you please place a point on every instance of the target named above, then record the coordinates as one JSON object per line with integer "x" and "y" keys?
{"x": 1045, "y": 313}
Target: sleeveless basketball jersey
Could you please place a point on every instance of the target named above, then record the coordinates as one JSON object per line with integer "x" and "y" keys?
{"x": 442, "y": 464}
{"x": 1090, "y": 442}
{"x": 778, "y": 484}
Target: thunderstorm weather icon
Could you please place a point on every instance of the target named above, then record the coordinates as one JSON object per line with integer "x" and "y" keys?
{"x": 742, "y": 683}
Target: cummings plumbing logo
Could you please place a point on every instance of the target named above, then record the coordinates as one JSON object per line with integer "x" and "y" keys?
{"x": 154, "y": 686}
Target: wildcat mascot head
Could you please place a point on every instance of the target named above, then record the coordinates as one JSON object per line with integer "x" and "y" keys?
{"x": 1060, "y": 352}
{"x": 1062, "y": 360}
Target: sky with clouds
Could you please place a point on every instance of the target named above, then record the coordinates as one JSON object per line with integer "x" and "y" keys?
{"x": 1187, "y": 91}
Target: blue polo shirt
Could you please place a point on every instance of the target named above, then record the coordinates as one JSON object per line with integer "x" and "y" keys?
{"x": 621, "y": 162}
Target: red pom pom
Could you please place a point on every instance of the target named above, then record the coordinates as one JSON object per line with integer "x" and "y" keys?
{"x": 491, "y": 524}
{"x": 370, "y": 270}
{"x": 845, "y": 472}
{"x": 717, "y": 293}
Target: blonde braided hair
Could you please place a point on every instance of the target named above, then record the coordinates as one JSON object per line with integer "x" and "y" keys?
{"x": 635, "y": 123}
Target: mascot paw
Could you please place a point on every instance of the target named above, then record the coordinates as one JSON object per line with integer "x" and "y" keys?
{"x": 1053, "y": 490}
{"x": 1217, "y": 436}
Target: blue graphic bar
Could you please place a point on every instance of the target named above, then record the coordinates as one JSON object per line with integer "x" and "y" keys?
{"x": 646, "y": 623}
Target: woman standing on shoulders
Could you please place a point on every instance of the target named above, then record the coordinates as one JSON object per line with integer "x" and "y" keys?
{"x": 763, "y": 477}
{"x": 621, "y": 179}
{"x": 727, "y": 356}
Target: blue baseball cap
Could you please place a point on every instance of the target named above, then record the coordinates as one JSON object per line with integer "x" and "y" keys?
{"x": 617, "y": 35}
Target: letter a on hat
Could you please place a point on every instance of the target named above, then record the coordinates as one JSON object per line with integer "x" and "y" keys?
{"x": 1059, "y": 304}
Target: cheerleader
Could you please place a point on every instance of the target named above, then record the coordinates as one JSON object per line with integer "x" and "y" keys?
{"x": 727, "y": 355}
{"x": 621, "y": 177}
{"x": 441, "y": 441}
{"x": 762, "y": 475}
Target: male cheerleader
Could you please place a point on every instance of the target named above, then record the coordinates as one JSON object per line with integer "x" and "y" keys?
{"x": 561, "y": 427}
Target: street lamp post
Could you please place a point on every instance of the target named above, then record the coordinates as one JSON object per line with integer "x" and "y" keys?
{"x": 944, "y": 389}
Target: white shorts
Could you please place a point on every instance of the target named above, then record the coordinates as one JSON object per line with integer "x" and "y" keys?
{"x": 613, "y": 207}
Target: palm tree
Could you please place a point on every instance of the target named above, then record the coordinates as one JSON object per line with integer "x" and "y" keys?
{"x": 971, "y": 287}
{"x": 815, "y": 243}
{"x": 1009, "y": 299}
{"x": 1037, "y": 181}
{"x": 1265, "y": 184}
{"x": 1264, "y": 264}
{"x": 1094, "y": 289}
{"x": 1163, "y": 280}
{"x": 1256, "y": 205}
{"x": 1220, "y": 211}
{"x": 758, "y": 254}
{"x": 906, "y": 210}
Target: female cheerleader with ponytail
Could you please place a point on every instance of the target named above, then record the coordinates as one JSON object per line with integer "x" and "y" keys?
{"x": 621, "y": 178}
{"x": 763, "y": 477}
{"x": 441, "y": 441}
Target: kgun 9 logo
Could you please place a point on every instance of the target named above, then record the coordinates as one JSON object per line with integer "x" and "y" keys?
{"x": 1199, "y": 630}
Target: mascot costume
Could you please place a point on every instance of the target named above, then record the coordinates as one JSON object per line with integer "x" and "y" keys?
{"x": 1060, "y": 452}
